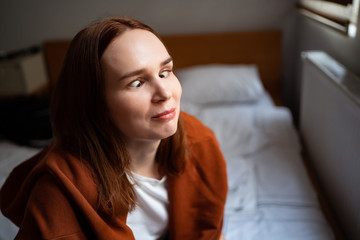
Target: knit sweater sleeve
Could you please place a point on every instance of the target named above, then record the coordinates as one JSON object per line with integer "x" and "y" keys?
{"x": 57, "y": 199}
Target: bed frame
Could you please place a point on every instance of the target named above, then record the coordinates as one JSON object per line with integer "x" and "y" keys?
{"x": 262, "y": 48}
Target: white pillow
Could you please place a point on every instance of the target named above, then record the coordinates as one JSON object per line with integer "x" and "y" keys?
{"x": 220, "y": 83}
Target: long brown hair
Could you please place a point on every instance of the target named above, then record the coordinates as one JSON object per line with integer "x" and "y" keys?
{"x": 81, "y": 122}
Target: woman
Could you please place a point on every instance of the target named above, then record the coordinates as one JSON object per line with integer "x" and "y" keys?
{"x": 125, "y": 163}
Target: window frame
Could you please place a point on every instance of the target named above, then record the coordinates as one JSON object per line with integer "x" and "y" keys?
{"x": 339, "y": 15}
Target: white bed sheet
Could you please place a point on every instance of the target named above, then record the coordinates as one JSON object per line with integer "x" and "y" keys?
{"x": 270, "y": 194}
{"x": 277, "y": 222}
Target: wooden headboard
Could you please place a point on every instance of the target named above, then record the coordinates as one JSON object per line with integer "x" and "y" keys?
{"x": 262, "y": 48}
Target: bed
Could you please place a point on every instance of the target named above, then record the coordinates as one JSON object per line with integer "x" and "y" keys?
{"x": 231, "y": 82}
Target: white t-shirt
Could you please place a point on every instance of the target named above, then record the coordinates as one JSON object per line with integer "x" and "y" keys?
{"x": 149, "y": 220}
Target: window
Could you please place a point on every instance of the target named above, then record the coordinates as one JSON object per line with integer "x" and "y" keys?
{"x": 339, "y": 14}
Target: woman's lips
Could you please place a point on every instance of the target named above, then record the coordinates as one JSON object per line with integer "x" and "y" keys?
{"x": 166, "y": 115}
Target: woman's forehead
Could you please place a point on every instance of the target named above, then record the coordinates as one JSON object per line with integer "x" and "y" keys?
{"x": 135, "y": 43}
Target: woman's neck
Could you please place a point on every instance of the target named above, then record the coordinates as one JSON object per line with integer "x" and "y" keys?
{"x": 142, "y": 154}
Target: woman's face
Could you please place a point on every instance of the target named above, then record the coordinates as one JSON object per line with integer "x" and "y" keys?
{"x": 142, "y": 93}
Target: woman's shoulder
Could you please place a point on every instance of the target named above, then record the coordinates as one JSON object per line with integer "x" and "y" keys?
{"x": 70, "y": 172}
{"x": 59, "y": 161}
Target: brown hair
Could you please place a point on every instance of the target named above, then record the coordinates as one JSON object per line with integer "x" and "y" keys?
{"x": 82, "y": 125}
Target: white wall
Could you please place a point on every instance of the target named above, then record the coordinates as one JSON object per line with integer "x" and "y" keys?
{"x": 24, "y": 23}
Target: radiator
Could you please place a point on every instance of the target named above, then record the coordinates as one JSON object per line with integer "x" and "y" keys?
{"x": 330, "y": 129}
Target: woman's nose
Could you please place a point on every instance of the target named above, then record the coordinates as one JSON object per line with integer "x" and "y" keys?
{"x": 162, "y": 91}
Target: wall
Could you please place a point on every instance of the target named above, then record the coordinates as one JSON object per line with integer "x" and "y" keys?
{"x": 330, "y": 128}
{"x": 311, "y": 35}
{"x": 23, "y": 23}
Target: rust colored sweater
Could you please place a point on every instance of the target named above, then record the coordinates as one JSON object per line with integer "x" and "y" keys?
{"x": 53, "y": 195}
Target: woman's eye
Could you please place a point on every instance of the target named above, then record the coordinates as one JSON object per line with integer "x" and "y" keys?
{"x": 136, "y": 84}
{"x": 164, "y": 74}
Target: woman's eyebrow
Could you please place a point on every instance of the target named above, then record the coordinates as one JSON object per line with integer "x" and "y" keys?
{"x": 170, "y": 59}
{"x": 140, "y": 71}
{"x": 132, "y": 74}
